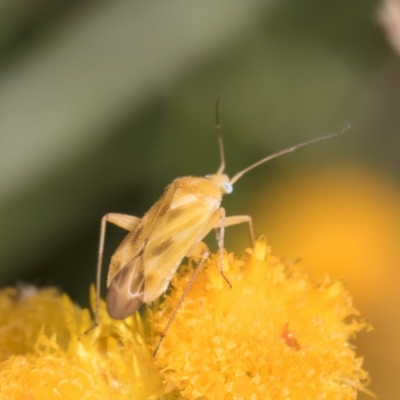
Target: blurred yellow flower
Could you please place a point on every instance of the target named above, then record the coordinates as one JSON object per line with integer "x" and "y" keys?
{"x": 46, "y": 355}
{"x": 276, "y": 334}
{"x": 344, "y": 221}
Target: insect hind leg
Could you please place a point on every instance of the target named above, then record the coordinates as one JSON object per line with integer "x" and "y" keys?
{"x": 204, "y": 257}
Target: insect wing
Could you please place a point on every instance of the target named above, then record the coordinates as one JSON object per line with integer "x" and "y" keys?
{"x": 172, "y": 236}
{"x": 126, "y": 291}
{"x": 125, "y": 280}
{"x": 144, "y": 263}
{"x": 134, "y": 242}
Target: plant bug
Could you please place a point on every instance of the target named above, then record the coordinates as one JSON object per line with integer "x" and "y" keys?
{"x": 146, "y": 260}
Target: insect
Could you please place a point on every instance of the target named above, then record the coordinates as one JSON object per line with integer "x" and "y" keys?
{"x": 146, "y": 260}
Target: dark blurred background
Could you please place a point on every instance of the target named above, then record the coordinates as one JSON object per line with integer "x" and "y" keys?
{"x": 103, "y": 103}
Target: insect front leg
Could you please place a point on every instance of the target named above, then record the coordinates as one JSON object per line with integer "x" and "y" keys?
{"x": 240, "y": 219}
{"x": 220, "y": 218}
{"x": 124, "y": 221}
{"x": 224, "y": 222}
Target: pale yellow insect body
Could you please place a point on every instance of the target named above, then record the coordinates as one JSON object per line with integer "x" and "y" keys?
{"x": 144, "y": 263}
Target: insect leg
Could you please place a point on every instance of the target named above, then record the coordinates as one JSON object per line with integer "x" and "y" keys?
{"x": 224, "y": 222}
{"x": 220, "y": 239}
{"x": 239, "y": 219}
{"x": 124, "y": 221}
{"x": 203, "y": 259}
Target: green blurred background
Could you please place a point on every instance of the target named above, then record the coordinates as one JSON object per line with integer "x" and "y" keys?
{"x": 103, "y": 103}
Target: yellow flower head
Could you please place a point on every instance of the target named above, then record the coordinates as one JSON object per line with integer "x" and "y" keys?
{"x": 276, "y": 334}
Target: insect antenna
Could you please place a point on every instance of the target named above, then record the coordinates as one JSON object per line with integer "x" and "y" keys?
{"x": 285, "y": 151}
{"x": 219, "y": 135}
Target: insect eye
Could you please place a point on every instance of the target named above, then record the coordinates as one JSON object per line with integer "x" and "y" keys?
{"x": 228, "y": 187}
